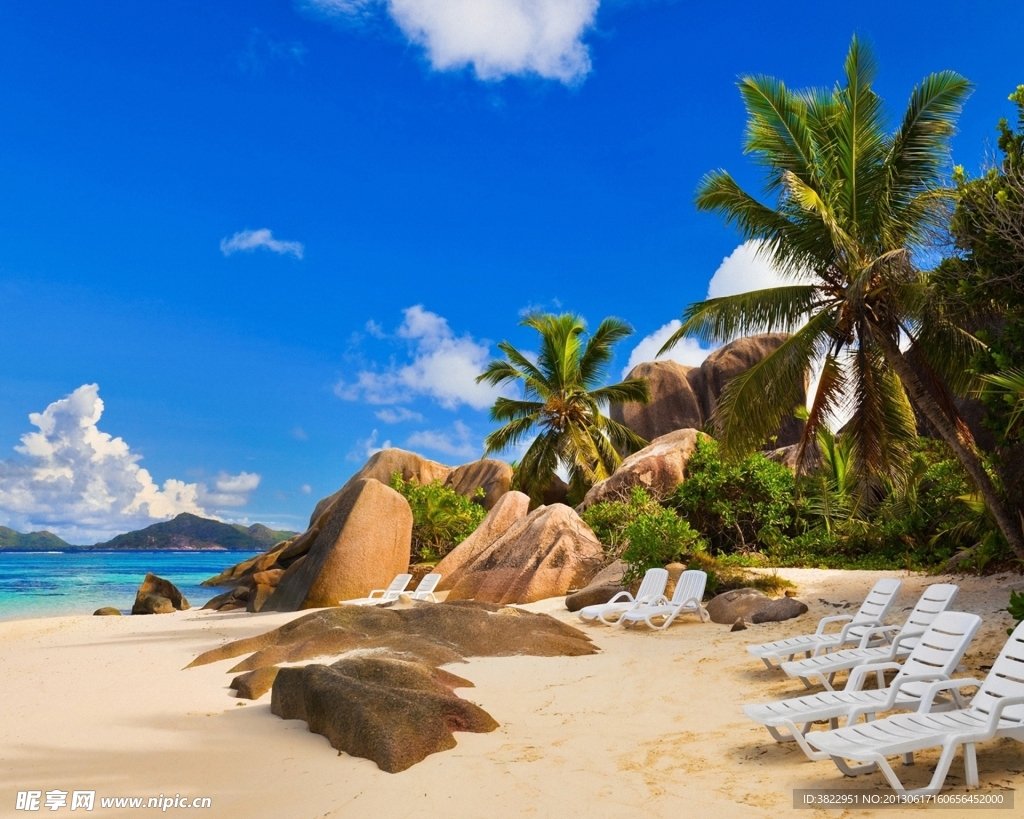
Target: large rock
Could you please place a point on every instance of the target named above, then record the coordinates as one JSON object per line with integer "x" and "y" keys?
{"x": 659, "y": 467}
{"x": 158, "y": 596}
{"x": 753, "y": 606}
{"x": 510, "y": 508}
{"x": 392, "y": 712}
{"x": 381, "y": 466}
{"x": 543, "y": 555}
{"x": 435, "y": 633}
{"x": 685, "y": 397}
{"x": 602, "y": 587}
{"x": 494, "y": 477}
{"x": 363, "y": 543}
{"x": 674, "y": 404}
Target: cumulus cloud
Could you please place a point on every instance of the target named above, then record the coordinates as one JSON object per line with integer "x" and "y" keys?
{"x": 229, "y": 490}
{"x": 306, "y": 489}
{"x": 398, "y": 415}
{"x": 86, "y": 485}
{"x": 688, "y": 351}
{"x": 458, "y": 442}
{"x": 497, "y": 38}
{"x": 444, "y": 367}
{"x": 250, "y": 240}
{"x": 741, "y": 271}
{"x": 746, "y": 269}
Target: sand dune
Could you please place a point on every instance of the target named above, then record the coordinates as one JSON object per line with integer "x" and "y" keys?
{"x": 654, "y": 720}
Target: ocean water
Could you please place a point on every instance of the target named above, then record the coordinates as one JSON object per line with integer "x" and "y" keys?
{"x": 49, "y": 584}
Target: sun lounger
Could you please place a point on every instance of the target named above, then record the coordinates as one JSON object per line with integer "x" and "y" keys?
{"x": 378, "y": 596}
{"x": 871, "y": 613}
{"x": 651, "y": 587}
{"x": 425, "y": 588}
{"x": 997, "y": 710}
{"x": 823, "y": 668}
{"x": 686, "y": 599}
{"x": 933, "y": 658}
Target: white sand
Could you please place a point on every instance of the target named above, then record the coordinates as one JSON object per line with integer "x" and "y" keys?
{"x": 650, "y": 726}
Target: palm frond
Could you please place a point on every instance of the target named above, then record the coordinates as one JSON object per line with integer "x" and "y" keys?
{"x": 760, "y": 311}
{"x": 630, "y": 391}
{"x": 598, "y": 351}
{"x": 754, "y": 403}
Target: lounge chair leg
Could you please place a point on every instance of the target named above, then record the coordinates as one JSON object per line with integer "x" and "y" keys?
{"x": 942, "y": 768}
{"x": 768, "y": 663}
{"x": 853, "y": 770}
{"x": 908, "y": 758}
{"x": 833, "y": 723}
{"x": 880, "y": 679}
{"x": 971, "y": 765}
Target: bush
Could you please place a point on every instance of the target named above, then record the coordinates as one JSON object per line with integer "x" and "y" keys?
{"x": 642, "y": 532}
{"x": 1016, "y": 608}
{"x": 656, "y": 538}
{"x": 738, "y": 507}
{"x": 441, "y": 517}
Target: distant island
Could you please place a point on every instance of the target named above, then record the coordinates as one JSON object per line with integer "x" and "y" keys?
{"x": 184, "y": 533}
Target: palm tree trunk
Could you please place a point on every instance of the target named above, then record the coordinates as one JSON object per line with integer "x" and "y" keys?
{"x": 965, "y": 451}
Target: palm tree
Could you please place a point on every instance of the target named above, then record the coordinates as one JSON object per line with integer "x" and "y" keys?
{"x": 562, "y": 404}
{"x": 853, "y": 202}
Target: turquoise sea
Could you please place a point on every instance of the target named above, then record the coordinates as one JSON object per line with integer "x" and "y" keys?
{"x": 48, "y": 584}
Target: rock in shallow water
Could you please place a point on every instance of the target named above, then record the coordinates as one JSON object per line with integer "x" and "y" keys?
{"x": 158, "y": 596}
{"x": 107, "y": 611}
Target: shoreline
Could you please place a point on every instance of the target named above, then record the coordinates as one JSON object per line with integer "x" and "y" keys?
{"x": 650, "y": 723}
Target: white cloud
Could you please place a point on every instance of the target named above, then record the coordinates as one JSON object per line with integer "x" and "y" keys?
{"x": 229, "y": 490}
{"x": 398, "y": 415}
{"x": 444, "y": 367}
{"x": 299, "y": 434}
{"x": 86, "y": 485}
{"x": 306, "y": 489}
{"x": 367, "y": 447}
{"x": 458, "y": 442}
{"x": 741, "y": 271}
{"x": 250, "y": 240}
{"x": 745, "y": 269}
{"x": 688, "y": 351}
{"x": 497, "y": 38}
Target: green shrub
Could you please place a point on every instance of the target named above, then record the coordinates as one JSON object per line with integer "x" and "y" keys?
{"x": 739, "y": 506}
{"x": 1016, "y": 608}
{"x": 656, "y": 538}
{"x": 441, "y": 517}
{"x": 609, "y": 519}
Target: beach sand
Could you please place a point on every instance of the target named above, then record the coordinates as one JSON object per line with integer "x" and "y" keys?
{"x": 651, "y": 725}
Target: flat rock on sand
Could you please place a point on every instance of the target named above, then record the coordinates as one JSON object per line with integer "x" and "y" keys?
{"x": 435, "y": 633}
{"x": 391, "y": 711}
{"x": 753, "y": 606}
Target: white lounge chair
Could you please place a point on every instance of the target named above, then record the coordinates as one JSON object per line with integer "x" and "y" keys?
{"x": 823, "y": 667}
{"x": 871, "y": 613}
{"x": 425, "y": 588}
{"x": 686, "y": 599}
{"x": 934, "y": 658}
{"x": 378, "y": 596}
{"x": 997, "y": 710}
{"x": 651, "y": 587}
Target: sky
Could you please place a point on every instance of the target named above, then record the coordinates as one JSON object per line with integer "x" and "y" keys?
{"x": 243, "y": 245}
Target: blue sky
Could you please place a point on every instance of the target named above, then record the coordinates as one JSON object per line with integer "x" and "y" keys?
{"x": 277, "y": 234}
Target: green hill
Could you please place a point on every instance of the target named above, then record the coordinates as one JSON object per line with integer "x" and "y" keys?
{"x": 190, "y": 532}
{"x": 32, "y": 542}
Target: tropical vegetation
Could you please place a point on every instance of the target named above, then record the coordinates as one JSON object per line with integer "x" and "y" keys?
{"x": 853, "y": 205}
{"x": 441, "y": 517}
{"x": 562, "y": 405}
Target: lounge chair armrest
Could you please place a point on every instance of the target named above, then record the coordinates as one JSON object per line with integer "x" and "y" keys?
{"x": 844, "y": 635}
{"x": 860, "y": 672}
{"x": 836, "y": 618}
{"x": 943, "y": 685}
{"x": 903, "y": 636}
{"x": 375, "y": 592}
{"x": 997, "y": 712}
{"x": 624, "y": 595}
{"x": 892, "y": 692}
{"x": 873, "y": 631}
